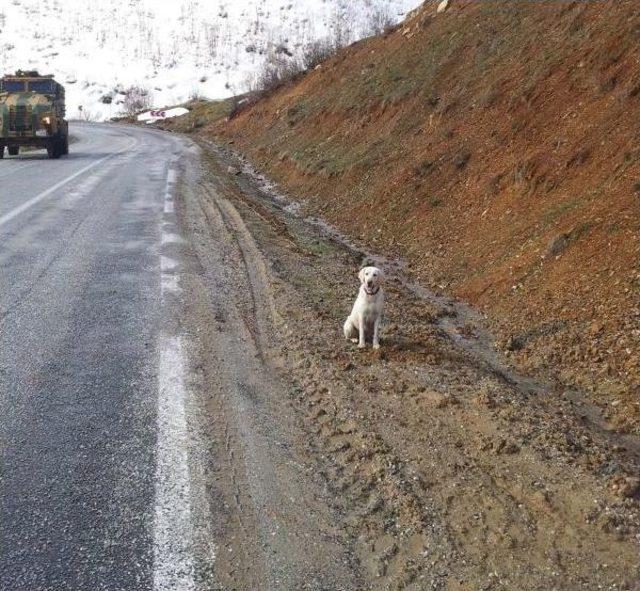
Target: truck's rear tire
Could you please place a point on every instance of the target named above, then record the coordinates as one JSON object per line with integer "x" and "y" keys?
{"x": 1, "y": 151}
{"x": 54, "y": 149}
{"x": 14, "y": 150}
{"x": 65, "y": 145}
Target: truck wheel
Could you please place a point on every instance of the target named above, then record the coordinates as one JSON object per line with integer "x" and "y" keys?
{"x": 1, "y": 151}
{"x": 65, "y": 145}
{"x": 53, "y": 150}
{"x": 14, "y": 150}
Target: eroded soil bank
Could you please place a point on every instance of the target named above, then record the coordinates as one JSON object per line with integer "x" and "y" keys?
{"x": 493, "y": 146}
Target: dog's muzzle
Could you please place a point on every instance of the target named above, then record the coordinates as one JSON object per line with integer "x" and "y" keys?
{"x": 371, "y": 290}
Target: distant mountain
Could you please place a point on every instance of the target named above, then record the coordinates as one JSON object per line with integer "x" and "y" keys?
{"x": 175, "y": 50}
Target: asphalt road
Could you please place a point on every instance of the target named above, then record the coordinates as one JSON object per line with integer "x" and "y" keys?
{"x": 93, "y": 423}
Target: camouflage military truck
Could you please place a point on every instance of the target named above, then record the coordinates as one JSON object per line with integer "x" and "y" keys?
{"x": 32, "y": 113}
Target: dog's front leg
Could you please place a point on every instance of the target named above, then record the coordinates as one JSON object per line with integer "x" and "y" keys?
{"x": 361, "y": 343}
{"x": 376, "y": 326}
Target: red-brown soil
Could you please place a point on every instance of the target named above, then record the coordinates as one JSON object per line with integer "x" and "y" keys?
{"x": 494, "y": 147}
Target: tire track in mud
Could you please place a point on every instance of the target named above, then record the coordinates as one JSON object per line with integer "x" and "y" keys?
{"x": 263, "y": 313}
{"x": 275, "y": 531}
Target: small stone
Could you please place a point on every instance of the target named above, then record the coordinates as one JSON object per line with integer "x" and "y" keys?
{"x": 557, "y": 245}
{"x": 486, "y": 398}
{"x": 596, "y": 327}
{"x": 629, "y": 487}
{"x": 511, "y": 448}
{"x": 348, "y": 427}
{"x": 516, "y": 343}
{"x": 379, "y": 354}
{"x": 442, "y": 6}
{"x": 444, "y": 400}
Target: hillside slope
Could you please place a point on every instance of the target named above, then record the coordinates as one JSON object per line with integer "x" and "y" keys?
{"x": 175, "y": 50}
{"x": 494, "y": 147}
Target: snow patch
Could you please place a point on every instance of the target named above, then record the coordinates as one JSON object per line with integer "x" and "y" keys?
{"x": 175, "y": 50}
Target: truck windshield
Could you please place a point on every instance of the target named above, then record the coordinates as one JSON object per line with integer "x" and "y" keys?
{"x": 12, "y": 85}
{"x": 44, "y": 86}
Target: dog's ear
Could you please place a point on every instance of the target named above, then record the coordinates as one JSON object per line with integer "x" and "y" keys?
{"x": 361, "y": 274}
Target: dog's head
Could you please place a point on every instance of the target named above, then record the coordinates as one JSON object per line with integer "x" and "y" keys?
{"x": 371, "y": 278}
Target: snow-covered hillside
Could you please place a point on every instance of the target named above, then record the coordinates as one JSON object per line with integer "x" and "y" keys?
{"x": 176, "y": 49}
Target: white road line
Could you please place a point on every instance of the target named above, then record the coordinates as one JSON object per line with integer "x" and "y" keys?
{"x": 168, "y": 278}
{"x": 168, "y": 197}
{"x": 173, "y": 530}
{"x": 173, "y": 533}
{"x": 169, "y": 281}
{"x": 7, "y": 217}
{"x": 167, "y": 264}
{"x": 169, "y": 284}
{"x": 171, "y": 238}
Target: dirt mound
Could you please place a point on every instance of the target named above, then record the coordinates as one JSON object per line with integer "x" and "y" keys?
{"x": 493, "y": 145}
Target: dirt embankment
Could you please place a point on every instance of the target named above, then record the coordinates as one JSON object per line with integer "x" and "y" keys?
{"x": 494, "y": 147}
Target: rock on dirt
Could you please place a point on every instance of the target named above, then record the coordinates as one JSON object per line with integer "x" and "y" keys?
{"x": 626, "y": 486}
{"x": 557, "y": 245}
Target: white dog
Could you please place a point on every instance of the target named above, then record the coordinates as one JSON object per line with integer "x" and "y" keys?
{"x": 363, "y": 323}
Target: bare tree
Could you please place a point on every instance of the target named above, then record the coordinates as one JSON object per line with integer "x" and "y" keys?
{"x": 341, "y": 25}
{"x": 278, "y": 69}
{"x": 318, "y": 51}
{"x": 380, "y": 21}
{"x": 212, "y": 36}
{"x": 85, "y": 114}
{"x": 136, "y": 99}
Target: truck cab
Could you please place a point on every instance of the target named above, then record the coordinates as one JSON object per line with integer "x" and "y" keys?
{"x": 32, "y": 111}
